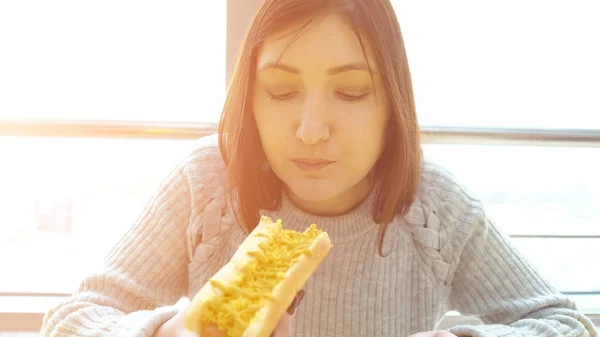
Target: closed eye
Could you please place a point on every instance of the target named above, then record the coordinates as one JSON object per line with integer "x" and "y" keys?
{"x": 283, "y": 96}
{"x": 352, "y": 98}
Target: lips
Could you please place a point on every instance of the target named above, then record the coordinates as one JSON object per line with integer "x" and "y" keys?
{"x": 311, "y": 164}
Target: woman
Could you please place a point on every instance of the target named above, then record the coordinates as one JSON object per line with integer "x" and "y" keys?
{"x": 319, "y": 126}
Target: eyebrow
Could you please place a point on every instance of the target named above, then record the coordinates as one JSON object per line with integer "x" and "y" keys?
{"x": 330, "y": 71}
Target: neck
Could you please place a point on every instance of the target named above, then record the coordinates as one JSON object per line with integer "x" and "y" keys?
{"x": 337, "y": 205}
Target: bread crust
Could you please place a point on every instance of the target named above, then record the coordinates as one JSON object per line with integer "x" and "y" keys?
{"x": 268, "y": 316}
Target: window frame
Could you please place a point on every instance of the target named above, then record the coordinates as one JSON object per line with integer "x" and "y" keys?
{"x": 31, "y": 307}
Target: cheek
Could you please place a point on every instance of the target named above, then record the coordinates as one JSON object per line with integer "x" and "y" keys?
{"x": 272, "y": 132}
{"x": 268, "y": 116}
{"x": 363, "y": 134}
{"x": 363, "y": 141}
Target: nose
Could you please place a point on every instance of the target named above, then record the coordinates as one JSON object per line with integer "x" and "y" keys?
{"x": 313, "y": 128}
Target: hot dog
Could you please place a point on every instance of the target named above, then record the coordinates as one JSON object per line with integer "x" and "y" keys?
{"x": 249, "y": 295}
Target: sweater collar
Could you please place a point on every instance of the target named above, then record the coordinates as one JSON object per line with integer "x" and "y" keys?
{"x": 340, "y": 228}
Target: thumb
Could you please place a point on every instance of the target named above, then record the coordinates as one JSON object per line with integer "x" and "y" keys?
{"x": 284, "y": 327}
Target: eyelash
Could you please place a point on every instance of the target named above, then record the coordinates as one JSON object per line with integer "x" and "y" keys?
{"x": 353, "y": 98}
{"x": 345, "y": 97}
{"x": 282, "y": 97}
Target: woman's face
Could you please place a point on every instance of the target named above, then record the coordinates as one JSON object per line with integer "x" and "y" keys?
{"x": 320, "y": 123}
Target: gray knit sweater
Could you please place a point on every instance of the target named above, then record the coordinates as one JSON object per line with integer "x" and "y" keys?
{"x": 446, "y": 254}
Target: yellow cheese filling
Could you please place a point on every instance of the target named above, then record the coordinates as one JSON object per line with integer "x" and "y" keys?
{"x": 246, "y": 295}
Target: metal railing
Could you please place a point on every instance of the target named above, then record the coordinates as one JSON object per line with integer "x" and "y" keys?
{"x": 504, "y": 136}
{"x": 555, "y": 236}
{"x": 105, "y": 129}
{"x": 174, "y": 130}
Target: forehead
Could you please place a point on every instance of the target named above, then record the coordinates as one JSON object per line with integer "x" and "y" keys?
{"x": 326, "y": 42}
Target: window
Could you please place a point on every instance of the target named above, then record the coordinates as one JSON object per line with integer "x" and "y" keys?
{"x": 70, "y": 199}
{"x": 65, "y": 200}
{"x": 511, "y": 64}
{"x": 546, "y": 197}
{"x": 113, "y": 60}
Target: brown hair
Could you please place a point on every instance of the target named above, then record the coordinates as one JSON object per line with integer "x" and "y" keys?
{"x": 398, "y": 169}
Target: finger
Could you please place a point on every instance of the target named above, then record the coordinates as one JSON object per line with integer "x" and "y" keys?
{"x": 284, "y": 327}
{"x": 442, "y": 333}
{"x": 424, "y": 334}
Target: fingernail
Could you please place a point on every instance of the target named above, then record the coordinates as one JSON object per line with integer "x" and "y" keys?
{"x": 296, "y": 302}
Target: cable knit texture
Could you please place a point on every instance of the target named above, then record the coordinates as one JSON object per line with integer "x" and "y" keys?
{"x": 445, "y": 254}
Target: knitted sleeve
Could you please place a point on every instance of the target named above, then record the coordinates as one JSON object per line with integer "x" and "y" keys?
{"x": 146, "y": 273}
{"x": 491, "y": 280}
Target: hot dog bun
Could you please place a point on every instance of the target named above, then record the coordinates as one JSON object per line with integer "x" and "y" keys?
{"x": 250, "y": 294}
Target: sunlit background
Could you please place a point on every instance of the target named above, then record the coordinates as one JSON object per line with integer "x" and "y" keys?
{"x": 509, "y": 64}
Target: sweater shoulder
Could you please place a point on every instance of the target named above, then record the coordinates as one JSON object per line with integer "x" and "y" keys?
{"x": 204, "y": 157}
{"x": 440, "y": 188}
{"x": 204, "y": 168}
{"x": 442, "y": 218}
{"x": 211, "y": 213}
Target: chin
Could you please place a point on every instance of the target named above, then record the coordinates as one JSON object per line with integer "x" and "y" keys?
{"x": 314, "y": 189}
